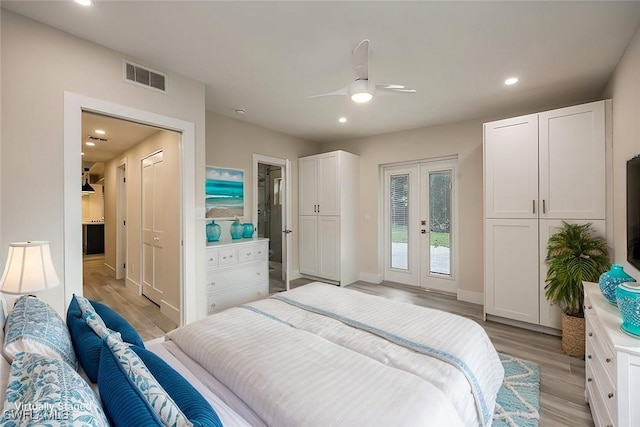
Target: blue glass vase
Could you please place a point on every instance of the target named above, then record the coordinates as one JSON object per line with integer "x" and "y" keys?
{"x": 236, "y": 230}
{"x": 213, "y": 232}
{"x": 247, "y": 230}
{"x": 628, "y": 297}
{"x": 609, "y": 281}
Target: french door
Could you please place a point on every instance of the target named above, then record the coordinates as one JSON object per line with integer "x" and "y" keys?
{"x": 420, "y": 243}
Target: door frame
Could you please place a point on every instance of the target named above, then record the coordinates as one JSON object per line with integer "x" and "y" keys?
{"x": 285, "y": 166}
{"x": 192, "y": 240}
{"x": 121, "y": 219}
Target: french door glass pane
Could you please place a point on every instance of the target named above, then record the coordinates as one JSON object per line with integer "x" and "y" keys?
{"x": 399, "y": 203}
{"x": 440, "y": 222}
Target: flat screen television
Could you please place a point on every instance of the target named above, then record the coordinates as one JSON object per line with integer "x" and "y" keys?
{"x": 633, "y": 211}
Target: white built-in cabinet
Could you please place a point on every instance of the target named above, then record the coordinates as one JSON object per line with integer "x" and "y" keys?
{"x": 328, "y": 208}
{"x": 539, "y": 170}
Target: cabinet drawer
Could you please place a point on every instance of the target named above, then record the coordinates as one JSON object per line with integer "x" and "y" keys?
{"x": 248, "y": 253}
{"x": 605, "y": 387}
{"x": 599, "y": 348}
{"x": 601, "y": 415}
{"x": 227, "y": 256}
{"x": 229, "y": 278}
{"x": 231, "y": 298}
{"x": 212, "y": 258}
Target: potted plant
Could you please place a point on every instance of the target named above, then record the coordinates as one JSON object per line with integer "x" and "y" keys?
{"x": 574, "y": 254}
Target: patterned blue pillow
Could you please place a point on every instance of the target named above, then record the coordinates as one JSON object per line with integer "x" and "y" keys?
{"x": 44, "y": 391}
{"x": 33, "y": 326}
{"x": 88, "y": 343}
{"x": 124, "y": 381}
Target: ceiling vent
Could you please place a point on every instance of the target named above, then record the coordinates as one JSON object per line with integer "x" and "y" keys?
{"x": 143, "y": 76}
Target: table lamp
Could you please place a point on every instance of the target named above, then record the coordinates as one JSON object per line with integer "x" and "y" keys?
{"x": 29, "y": 269}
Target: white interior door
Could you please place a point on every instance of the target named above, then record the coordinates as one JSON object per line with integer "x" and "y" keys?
{"x": 438, "y": 229}
{"x": 152, "y": 226}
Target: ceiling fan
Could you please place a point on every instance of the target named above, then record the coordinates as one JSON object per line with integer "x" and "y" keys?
{"x": 362, "y": 90}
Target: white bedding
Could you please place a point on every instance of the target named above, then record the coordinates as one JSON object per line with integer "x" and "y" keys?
{"x": 294, "y": 367}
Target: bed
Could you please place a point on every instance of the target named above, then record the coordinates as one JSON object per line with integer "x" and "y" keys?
{"x": 322, "y": 355}
{"x": 317, "y": 355}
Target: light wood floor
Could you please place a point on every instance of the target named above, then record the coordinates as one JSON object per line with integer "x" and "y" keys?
{"x": 562, "y": 377}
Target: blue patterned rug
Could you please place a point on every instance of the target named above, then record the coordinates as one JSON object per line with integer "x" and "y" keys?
{"x": 518, "y": 402}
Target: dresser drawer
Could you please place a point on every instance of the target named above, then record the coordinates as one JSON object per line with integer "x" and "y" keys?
{"x": 601, "y": 415}
{"x": 236, "y": 277}
{"x": 227, "y": 256}
{"x": 234, "y": 297}
{"x": 212, "y": 258}
{"x": 604, "y": 392}
{"x": 248, "y": 253}
{"x": 598, "y": 347}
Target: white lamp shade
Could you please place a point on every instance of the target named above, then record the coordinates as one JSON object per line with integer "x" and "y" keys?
{"x": 29, "y": 269}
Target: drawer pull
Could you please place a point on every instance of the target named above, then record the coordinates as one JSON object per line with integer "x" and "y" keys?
{"x": 610, "y": 395}
{"x": 259, "y": 252}
{"x": 210, "y": 259}
{"x": 590, "y": 307}
{"x": 248, "y": 253}
{"x": 608, "y": 360}
{"x": 589, "y": 356}
{"x": 213, "y": 304}
{"x": 590, "y": 334}
{"x": 589, "y": 380}
{"x": 230, "y": 256}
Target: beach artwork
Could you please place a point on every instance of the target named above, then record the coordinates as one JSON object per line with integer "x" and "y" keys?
{"x": 224, "y": 190}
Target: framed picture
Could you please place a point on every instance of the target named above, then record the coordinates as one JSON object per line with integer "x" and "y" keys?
{"x": 224, "y": 193}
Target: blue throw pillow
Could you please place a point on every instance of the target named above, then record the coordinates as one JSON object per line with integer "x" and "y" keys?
{"x": 123, "y": 399}
{"x": 35, "y": 327}
{"x": 85, "y": 340}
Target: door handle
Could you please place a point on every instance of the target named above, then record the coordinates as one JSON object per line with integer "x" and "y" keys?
{"x": 423, "y": 231}
{"x": 315, "y": 209}
{"x": 544, "y": 206}
{"x": 534, "y": 206}
{"x": 286, "y": 231}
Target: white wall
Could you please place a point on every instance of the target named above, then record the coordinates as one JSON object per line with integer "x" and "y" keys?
{"x": 39, "y": 64}
{"x": 231, "y": 143}
{"x": 624, "y": 89}
{"x": 463, "y": 139}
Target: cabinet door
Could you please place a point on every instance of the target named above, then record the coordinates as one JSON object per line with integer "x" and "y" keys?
{"x": 511, "y": 167}
{"x": 512, "y": 268}
{"x": 308, "y": 244}
{"x": 329, "y": 247}
{"x": 328, "y": 184}
{"x": 308, "y": 185}
{"x": 551, "y": 315}
{"x": 572, "y": 162}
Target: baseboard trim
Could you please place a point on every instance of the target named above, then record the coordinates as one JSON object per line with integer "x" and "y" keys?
{"x": 170, "y": 311}
{"x": 132, "y": 285}
{"x": 471, "y": 296}
{"x": 295, "y": 274}
{"x": 371, "y": 278}
{"x": 524, "y": 325}
{"x": 111, "y": 271}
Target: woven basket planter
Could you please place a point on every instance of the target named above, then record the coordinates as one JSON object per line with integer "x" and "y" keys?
{"x": 573, "y": 335}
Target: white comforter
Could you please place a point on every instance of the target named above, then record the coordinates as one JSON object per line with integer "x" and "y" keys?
{"x": 321, "y": 355}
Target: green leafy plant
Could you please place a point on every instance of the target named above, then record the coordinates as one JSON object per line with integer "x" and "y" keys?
{"x": 575, "y": 253}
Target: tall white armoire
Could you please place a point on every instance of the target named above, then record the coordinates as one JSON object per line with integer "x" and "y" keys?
{"x": 328, "y": 212}
{"x": 539, "y": 170}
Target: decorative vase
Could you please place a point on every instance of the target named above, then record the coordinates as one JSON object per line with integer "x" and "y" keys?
{"x": 213, "y": 232}
{"x": 247, "y": 230}
{"x": 610, "y": 280}
{"x": 236, "y": 230}
{"x": 628, "y": 297}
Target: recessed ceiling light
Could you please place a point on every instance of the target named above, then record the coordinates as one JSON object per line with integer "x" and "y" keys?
{"x": 99, "y": 131}
{"x": 89, "y": 143}
{"x": 241, "y": 111}
{"x": 84, "y": 2}
{"x": 511, "y": 81}
{"x": 342, "y": 120}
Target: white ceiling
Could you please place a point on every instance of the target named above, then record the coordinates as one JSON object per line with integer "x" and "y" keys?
{"x": 268, "y": 57}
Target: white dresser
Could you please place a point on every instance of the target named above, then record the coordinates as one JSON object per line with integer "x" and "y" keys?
{"x": 237, "y": 272}
{"x": 612, "y": 364}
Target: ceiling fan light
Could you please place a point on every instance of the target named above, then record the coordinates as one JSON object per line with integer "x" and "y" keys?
{"x": 361, "y": 97}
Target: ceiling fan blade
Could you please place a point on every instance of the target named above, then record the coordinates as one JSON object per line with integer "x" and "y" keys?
{"x": 388, "y": 89}
{"x": 343, "y": 91}
{"x": 361, "y": 59}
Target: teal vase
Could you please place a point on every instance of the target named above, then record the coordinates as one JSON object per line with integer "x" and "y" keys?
{"x": 247, "y": 230}
{"x": 628, "y": 297}
{"x": 213, "y": 232}
{"x": 236, "y": 230}
{"x": 609, "y": 281}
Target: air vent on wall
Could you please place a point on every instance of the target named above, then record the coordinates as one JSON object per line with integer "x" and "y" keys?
{"x": 137, "y": 74}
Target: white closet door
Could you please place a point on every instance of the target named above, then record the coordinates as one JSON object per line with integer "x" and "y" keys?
{"x": 511, "y": 269}
{"x": 308, "y": 244}
{"x": 308, "y": 182}
{"x": 329, "y": 247}
{"x": 152, "y": 227}
{"x": 572, "y": 162}
{"x": 511, "y": 168}
{"x": 328, "y": 184}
